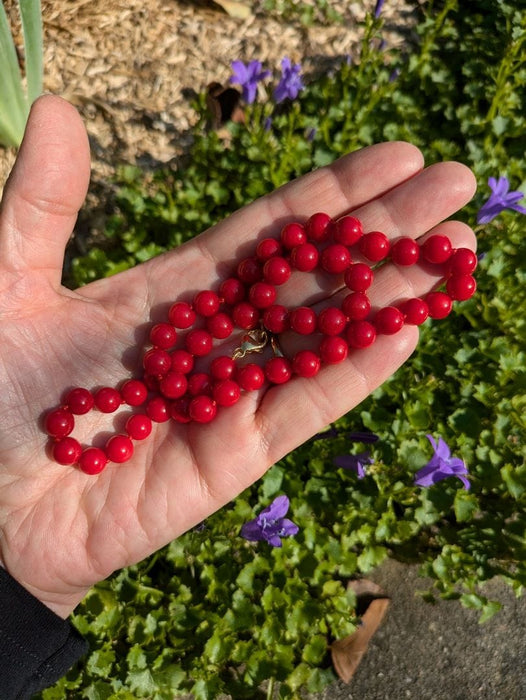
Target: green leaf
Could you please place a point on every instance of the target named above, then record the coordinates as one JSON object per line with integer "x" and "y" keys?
{"x": 466, "y": 505}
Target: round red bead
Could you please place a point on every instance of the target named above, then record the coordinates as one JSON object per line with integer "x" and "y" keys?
{"x": 173, "y": 385}
{"x": 304, "y": 257}
{"x": 226, "y": 392}
{"x": 276, "y": 271}
{"x": 439, "y": 304}
{"x": 374, "y": 246}
{"x": 358, "y": 277}
{"x": 306, "y": 363}
{"x": 59, "y": 423}
{"x": 331, "y": 321}
{"x": 182, "y": 361}
{"x": 250, "y": 377}
{"x": 156, "y": 362}
{"x": 436, "y": 249}
{"x": 360, "y": 334}
{"x": 67, "y": 451}
{"x": 206, "y": 303}
{"x": 80, "y": 401}
{"x": 220, "y": 326}
{"x": 303, "y": 320}
{"x": 157, "y": 409}
{"x": 275, "y": 318}
{"x": 262, "y": 295}
{"x": 179, "y": 410}
{"x": 245, "y": 315}
{"x": 461, "y": 287}
{"x": 388, "y": 320}
{"x": 293, "y": 235}
{"x": 199, "y": 383}
{"x": 202, "y": 409}
{"x": 405, "y": 251}
{"x": 181, "y": 315}
{"x": 92, "y": 460}
{"x": 249, "y": 270}
{"x": 463, "y": 261}
{"x": 415, "y": 311}
{"x": 199, "y": 342}
{"x": 139, "y": 426}
{"x": 222, "y": 367}
{"x": 356, "y": 306}
{"x": 232, "y": 291}
{"x": 268, "y": 248}
{"x": 107, "y": 400}
{"x": 347, "y": 230}
{"x": 333, "y": 349}
{"x": 163, "y": 335}
{"x": 278, "y": 370}
{"x": 119, "y": 448}
{"x": 318, "y": 226}
{"x": 134, "y": 392}
{"x": 335, "y": 259}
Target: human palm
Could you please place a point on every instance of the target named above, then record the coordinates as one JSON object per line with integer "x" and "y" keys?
{"x": 61, "y": 530}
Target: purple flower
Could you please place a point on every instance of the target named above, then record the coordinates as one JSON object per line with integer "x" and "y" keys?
{"x": 271, "y": 524}
{"x": 501, "y": 198}
{"x": 355, "y": 463}
{"x": 248, "y": 76}
{"x": 290, "y": 83}
{"x": 441, "y": 465}
{"x": 378, "y": 8}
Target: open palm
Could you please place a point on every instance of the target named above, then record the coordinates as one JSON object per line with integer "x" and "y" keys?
{"x": 61, "y": 531}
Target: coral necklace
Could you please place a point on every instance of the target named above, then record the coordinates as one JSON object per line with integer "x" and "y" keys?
{"x": 171, "y": 388}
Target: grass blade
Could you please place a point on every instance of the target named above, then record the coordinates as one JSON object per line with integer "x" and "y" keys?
{"x": 31, "y": 16}
{"x": 13, "y": 103}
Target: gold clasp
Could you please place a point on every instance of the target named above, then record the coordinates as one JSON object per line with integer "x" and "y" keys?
{"x": 254, "y": 341}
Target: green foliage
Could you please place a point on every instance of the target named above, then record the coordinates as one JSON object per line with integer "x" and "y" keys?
{"x": 15, "y": 101}
{"x": 214, "y": 614}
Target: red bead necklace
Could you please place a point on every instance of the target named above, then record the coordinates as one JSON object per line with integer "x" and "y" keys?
{"x": 171, "y": 388}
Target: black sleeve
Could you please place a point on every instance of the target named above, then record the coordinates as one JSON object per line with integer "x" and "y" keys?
{"x": 37, "y": 647}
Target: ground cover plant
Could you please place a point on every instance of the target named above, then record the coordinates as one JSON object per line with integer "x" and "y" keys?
{"x": 215, "y": 612}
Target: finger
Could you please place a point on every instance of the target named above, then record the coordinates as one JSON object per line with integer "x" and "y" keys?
{"x": 45, "y": 190}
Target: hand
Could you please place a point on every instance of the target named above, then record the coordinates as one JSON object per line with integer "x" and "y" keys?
{"x": 61, "y": 531}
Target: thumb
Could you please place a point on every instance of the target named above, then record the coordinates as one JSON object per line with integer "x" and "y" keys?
{"x": 45, "y": 190}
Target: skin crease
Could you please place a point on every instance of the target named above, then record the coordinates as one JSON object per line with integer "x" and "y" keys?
{"x": 62, "y": 531}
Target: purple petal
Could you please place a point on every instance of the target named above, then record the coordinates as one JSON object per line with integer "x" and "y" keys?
{"x": 501, "y": 186}
{"x": 288, "y": 528}
{"x": 518, "y": 207}
{"x": 275, "y": 541}
{"x": 240, "y": 72}
{"x": 277, "y": 509}
{"x": 252, "y": 531}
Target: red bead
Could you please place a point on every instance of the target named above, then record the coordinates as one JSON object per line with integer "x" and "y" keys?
{"x": 202, "y": 409}
{"x": 67, "y": 451}
{"x": 306, "y": 363}
{"x": 139, "y": 426}
{"x": 461, "y": 287}
{"x": 318, "y": 227}
{"x": 463, "y": 261}
{"x": 220, "y": 326}
{"x": 206, "y": 303}
{"x": 222, "y": 367}
{"x": 245, "y": 315}
{"x": 80, "y": 401}
{"x": 232, "y": 291}
{"x": 358, "y": 277}
{"x": 199, "y": 383}
{"x": 250, "y": 270}
{"x": 157, "y": 409}
{"x": 275, "y": 318}
{"x": 303, "y": 320}
{"x": 278, "y": 370}
{"x": 415, "y": 311}
{"x": 436, "y": 249}
{"x": 439, "y": 304}
{"x": 182, "y": 361}
{"x": 134, "y": 392}
{"x": 163, "y": 335}
{"x": 333, "y": 350}
{"x": 374, "y": 246}
{"x": 262, "y": 295}
{"x": 335, "y": 259}
{"x": 59, "y": 423}
{"x": 293, "y": 235}
{"x": 226, "y": 392}
{"x": 199, "y": 342}
{"x": 304, "y": 257}
{"x": 347, "y": 231}
{"x": 268, "y": 248}
{"x": 92, "y": 460}
{"x": 388, "y": 320}
{"x": 250, "y": 377}
{"x": 331, "y": 321}
{"x": 405, "y": 251}
{"x": 107, "y": 399}
{"x": 276, "y": 271}
{"x": 360, "y": 334}
{"x": 173, "y": 385}
{"x": 356, "y": 306}
{"x": 181, "y": 315}
{"x": 179, "y": 410}
{"x": 119, "y": 448}
{"x": 156, "y": 362}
